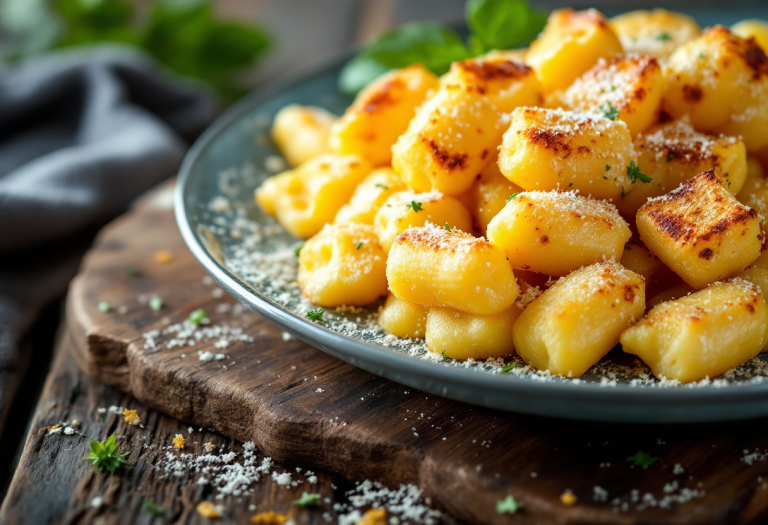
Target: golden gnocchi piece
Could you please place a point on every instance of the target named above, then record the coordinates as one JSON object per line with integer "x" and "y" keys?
{"x": 488, "y": 195}
{"x": 301, "y": 132}
{"x": 407, "y": 209}
{"x": 639, "y": 259}
{"x": 435, "y": 267}
{"x": 450, "y": 140}
{"x": 460, "y": 335}
{"x": 369, "y": 196}
{"x": 343, "y": 265}
{"x": 753, "y": 28}
{"x": 701, "y": 231}
{"x": 703, "y": 334}
{"x": 381, "y": 113}
{"x": 506, "y": 83}
{"x": 657, "y": 32}
{"x": 721, "y": 81}
{"x": 571, "y": 43}
{"x": 552, "y": 149}
{"x": 306, "y": 198}
{"x": 673, "y": 153}
{"x": 573, "y": 324}
{"x": 628, "y": 88}
{"x": 403, "y": 319}
{"x": 755, "y": 191}
{"x": 556, "y": 233}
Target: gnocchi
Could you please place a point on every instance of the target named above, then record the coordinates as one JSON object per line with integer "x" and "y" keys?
{"x": 460, "y": 335}
{"x": 301, "y": 133}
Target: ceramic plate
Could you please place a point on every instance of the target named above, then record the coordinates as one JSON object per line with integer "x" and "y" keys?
{"x": 254, "y": 260}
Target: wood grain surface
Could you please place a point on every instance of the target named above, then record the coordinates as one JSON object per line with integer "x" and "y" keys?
{"x": 305, "y": 408}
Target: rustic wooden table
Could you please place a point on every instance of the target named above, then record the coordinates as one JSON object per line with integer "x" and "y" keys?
{"x": 310, "y": 411}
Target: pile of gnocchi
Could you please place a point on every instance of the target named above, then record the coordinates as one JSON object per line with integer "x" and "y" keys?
{"x": 603, "y": 186}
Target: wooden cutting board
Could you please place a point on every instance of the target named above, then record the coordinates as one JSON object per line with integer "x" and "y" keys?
{"x": 305, "y": 408}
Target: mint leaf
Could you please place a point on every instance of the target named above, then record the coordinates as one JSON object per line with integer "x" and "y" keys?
{"x": 432, "y": 45}
{"x": 502, "y": 24}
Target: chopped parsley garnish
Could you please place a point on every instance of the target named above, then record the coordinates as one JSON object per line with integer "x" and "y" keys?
{"x": 153, "y": 508}
{"x": 702, "y": 56}
{"x": 105, "y": 456}
{"x": 613, "y": 88}
{"x": 508, "y": 505}
{"x": 155, "y": 302}
{"x": 132, "y": 271}
{"x": 382, "y": 186}
{"x": 360, "y": 245}
{"x": 298, "y": 250}
{"x": 307, "y": 500}
{"x": 607, "y": 167}
{"x": 641, "y": 459}
{"x": 415, "y": 206}
{"x": 609, "y": 111}
{"x": 513, "y": 196}
{"x": 443, "y": 352}
{"x": 104, "y": 306}
{"x": 508, "y": 368}
{"x": 315, "y": 315}
{"x": 664, "y": 37}
{"x": 670, "y": 157}
{"x": 446, "y": 227}
{"x": 634, "y": 173}
{"x": 197, "y": 317}
{"x": 570, "y": 184}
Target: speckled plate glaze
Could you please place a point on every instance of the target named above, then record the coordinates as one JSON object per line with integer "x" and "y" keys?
{"x": 251, "y": 257}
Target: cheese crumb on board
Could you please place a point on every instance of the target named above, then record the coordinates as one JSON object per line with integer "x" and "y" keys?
{"x": 208, "y": 510}
{"x": 179, "y": 441}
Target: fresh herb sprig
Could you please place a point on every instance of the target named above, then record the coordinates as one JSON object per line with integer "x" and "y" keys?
{"x": 642, "y": 459}
{"x": 494, "y": 24}
{"x": 508, "y": 505}
{"x": 105, "y": 456}
{"x": 307, "y": 500}
{"x": 316, "y": 316}
{"x": 634, "y": 174}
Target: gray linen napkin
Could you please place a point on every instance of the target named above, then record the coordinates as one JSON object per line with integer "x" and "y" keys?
{"x": 82, "y": 133}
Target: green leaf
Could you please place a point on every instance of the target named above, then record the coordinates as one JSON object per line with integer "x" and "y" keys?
{"x": 197, "y": 317}
{"x": 609, "y": 111}
{"x": 315, "y": 315}
{"x": 508, "y": 505}
{"x": 415, "y": 206}
{"x": 106, "y": 457}
{"x": 153, "y": 508}
{"x": 502, "y": 24}
{"x": 508, "y": 368}
{"x": 96, "y": 15}
{"x": 432, "y": 45}
{"x": 156, "y": 303}
{"x": 641, "y": 459}
{"x": 308, "y": 500}
{"x": 634, "y": 173}
{"x": 231, "y": 45}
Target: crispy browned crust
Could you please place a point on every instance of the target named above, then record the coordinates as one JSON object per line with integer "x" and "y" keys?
{"x": 486, "y": 70}
{"x": 678, "y": 214}
{"x": 440, "y": 240}
{"x": 446, "y": 159}
{"x": 747, "y": 49}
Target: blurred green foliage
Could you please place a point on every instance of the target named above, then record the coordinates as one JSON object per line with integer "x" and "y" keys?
{"x": 185, "y": 35}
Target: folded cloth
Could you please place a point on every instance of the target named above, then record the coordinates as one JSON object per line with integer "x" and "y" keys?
{"x": 82, "y": 133}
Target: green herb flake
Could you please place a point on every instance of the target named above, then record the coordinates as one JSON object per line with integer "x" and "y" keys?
{"x": 307, "y": 500}
{"x": 446, "y": 227}
{"x": 382, "y": 186}
{"x": 670, "y": 157}
{"x": 609, "y": 111}
{"x": 153, "y": 508}
{"x": 634, "y": 173}
{"x": 415, "y": 206}
{"x": 105, "y": 456}
{"x": 664, "y": 37}
{"x": 297, "y": 251}
{"x": 132, "y": 271}
{"x": 513, "y": 196}
{"x": 702, "y": 56}
{"x": 197, "y": 317}
{"x": 316, "y": 316}
{"x": 570, "y": 184}
{"x": 508, "y": 505}
{"x": 360, "y": 245}
{"x": 607, "y": 167}
{"x": 155, "y": 302}
{"x": 508, "y": 368}
{"x": 641, "y": 459}
{"x": 104, "y": 306}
